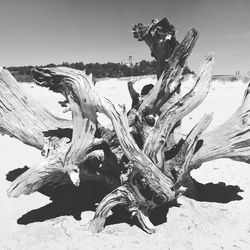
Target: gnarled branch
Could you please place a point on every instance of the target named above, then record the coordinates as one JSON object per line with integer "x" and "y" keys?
{"x": 21, "y": 116}
{"x": 159, "y": 137}
{"x": 229, "y": 140}
{"x": 168, "y": 82}
{"x": 140, "y": 179}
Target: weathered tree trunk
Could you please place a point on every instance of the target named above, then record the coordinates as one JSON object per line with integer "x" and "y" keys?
{"x": 133, "y": 160}
{"x": 160, "y": 38}
{"x": 62, "y": 152}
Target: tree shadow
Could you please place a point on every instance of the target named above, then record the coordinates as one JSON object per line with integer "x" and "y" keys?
{"x": 66, "y": 199}
{"x": 119, "y": 215}
{"x": 219, "y": 192}
{"x": 210, "y": 192}
{"x": 72, "y": 201}
{"x": 158, "y": 215}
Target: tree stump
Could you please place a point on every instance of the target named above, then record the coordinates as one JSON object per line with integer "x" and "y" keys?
{"x": 133, "y": 160}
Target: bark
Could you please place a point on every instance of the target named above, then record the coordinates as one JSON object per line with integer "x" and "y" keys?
{"x": 21, "y": 116}
{"x": 159, "y": 136}
{"x": 146, "y": 179}
{"x": 133, "y": 94}
{"x": 141, "y": 117}
{"x": 160, "y": 37}
{"x": 169, "y": 82}
{"x": 62, "y": 157}
{"x": 49, "y": 171}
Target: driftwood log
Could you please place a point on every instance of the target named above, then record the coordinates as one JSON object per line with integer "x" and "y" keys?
{"x": 133, "y": 160}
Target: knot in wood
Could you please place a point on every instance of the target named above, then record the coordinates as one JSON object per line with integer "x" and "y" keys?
{"x": 150, "y": 120}
{"x": 124, "y": 177}
{"x": 245, "y": 119}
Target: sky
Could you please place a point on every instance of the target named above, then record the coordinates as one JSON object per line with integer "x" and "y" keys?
{"x": 39, "y": 32}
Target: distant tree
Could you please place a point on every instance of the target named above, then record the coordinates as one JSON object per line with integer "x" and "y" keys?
{"x": 109, "y": 69}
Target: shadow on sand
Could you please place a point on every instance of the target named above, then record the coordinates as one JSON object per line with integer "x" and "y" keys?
{"x": 219, "y": 192}
{"x": 71, "y": 200}
{"x": 66, "y": 200}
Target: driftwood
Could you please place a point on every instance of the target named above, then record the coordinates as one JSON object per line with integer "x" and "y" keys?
{"x": 133, "y": 160}
{"x": 161, "y": 40}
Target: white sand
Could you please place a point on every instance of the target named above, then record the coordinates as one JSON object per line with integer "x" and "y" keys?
{"x": 193, "y": 225}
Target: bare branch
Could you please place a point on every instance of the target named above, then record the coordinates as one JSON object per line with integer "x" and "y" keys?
{"x": 159, "y": 136}
{"x": 168, "y": 82}
{"x": 77, "y": 87}
{"x": 134, "y": 95}
{"x": 49, "y": 171}
{"x": 120, "y": 196}
{"x": 21, "y": 116}
{"x": 189, "y": 147}
{"x": 229, "y": 140}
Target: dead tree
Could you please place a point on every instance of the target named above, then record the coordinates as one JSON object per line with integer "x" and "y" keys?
{"x": 132, "y": 160}
{"x": 160, "y": 36}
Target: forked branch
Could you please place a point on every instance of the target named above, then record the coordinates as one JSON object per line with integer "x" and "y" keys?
{"x": 159, "y": 136}
{"x": 168, "y": 82}
{"x": 229, "y": 140}
{"x": 148, "y": 177}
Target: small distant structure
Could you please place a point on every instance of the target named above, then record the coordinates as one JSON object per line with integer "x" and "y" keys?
{"x": 129, "y": 63}
{"x": 248, "y": 73}
{"x": 237, "y": 73}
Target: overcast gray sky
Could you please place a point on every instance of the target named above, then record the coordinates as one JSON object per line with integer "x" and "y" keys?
{"x": 37, "y": 32}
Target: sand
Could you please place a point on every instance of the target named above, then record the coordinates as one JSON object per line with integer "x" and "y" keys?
{"x": 218, "y": 221}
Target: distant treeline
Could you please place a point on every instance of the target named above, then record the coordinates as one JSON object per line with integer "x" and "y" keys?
{"x": 99, "y": 70}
